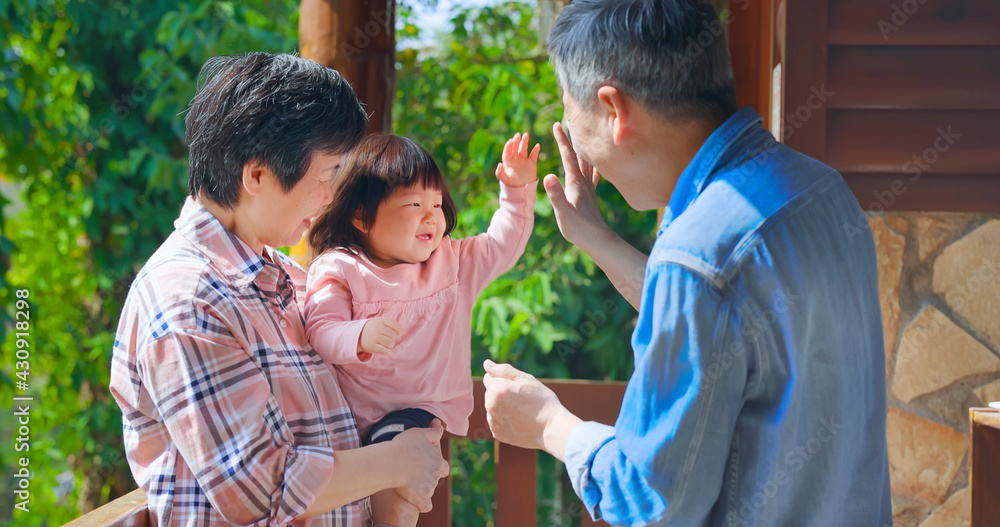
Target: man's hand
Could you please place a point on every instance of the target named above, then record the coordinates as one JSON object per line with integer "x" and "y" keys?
{"x": 421, "y": 464}
{"x": 523, "y": 412}
{"x": 518, "y": 167}
{"x": 581, "y": 223}
{"x": 379, "y": 336}
{"x": 575, "y": 207}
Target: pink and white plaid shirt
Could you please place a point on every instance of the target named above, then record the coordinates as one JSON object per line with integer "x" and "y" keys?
{"x": 229, "y": 415}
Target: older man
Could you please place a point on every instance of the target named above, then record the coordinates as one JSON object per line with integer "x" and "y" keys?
{"x": 758, "y": 396}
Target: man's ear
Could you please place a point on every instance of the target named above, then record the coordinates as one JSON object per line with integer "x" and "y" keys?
{"x": 614, "y": 107}
{"x": 254, "y": 174}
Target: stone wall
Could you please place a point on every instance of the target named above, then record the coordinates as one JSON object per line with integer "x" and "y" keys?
{"x": 939, "y": 285}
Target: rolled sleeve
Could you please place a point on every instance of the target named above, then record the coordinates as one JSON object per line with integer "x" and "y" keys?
{"x": 307, "y": 470}
{"x": 581, "y": 447}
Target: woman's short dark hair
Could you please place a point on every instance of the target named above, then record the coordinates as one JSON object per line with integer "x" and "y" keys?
{"x": 671, "y": 56}
{"x": 275, "y": 109}
{"x": 377, "y": 167}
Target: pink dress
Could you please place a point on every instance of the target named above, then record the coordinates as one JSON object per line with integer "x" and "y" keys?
{"x": 430, "y": 367}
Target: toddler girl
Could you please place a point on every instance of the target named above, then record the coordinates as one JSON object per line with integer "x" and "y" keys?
{"x": 390, "y": 295}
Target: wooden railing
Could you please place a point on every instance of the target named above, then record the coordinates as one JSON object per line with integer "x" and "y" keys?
{"x": 984, "y": 466}
{"x": 126, "y": 511}
{"x": 516, "y": 468}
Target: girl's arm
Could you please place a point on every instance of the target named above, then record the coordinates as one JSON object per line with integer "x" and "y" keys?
{"x": 328, "y": 309}
{"x": 486, "y": 256}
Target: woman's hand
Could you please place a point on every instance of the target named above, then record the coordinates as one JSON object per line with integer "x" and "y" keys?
{"x": 518, "y": 167}
{"x": 379, "y": 335}
{"x": 421, "y": 463}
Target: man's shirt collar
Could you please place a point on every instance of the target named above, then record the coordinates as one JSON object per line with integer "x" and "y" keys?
{"x": 719, "y": 151}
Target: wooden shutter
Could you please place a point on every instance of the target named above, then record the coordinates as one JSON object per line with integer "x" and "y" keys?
{"x": 901, "y": 96}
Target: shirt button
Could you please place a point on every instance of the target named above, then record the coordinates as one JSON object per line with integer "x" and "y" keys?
{"x": 312, "y": 374}
{"x": 283, "y": 323}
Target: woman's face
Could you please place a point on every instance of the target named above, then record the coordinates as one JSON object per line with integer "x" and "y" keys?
{"x": 280, "y": 218}
{"x": 409, "y": 226}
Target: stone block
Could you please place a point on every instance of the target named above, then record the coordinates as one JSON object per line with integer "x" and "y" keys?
{"x": 889, "y": 249}
{"x": 967, "y": 275}
{"x": 924, "y": 456}
{"x": 898, "y": 222}
{"x": 908, "y": 511}
{"x": 931, "y": 234}
{"x": 989, "y": 392}
{"x": 955, "y": 512}
{"x": 934, "y": 353}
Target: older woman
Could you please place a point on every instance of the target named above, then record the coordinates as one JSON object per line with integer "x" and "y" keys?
{"x": 229, "y": 414}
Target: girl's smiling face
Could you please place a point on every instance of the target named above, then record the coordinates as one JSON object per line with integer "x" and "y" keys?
{"x": 409, "y": 226}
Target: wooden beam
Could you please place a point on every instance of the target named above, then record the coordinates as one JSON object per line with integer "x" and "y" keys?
{"x": 358, "y": 39}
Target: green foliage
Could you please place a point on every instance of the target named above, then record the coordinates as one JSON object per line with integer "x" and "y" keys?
{"x": 90, "y": 100}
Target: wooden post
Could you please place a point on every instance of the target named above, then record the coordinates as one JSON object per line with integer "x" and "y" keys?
{"x": 517, "y": 486}
{"x": 984, "y": 466}
{"x": 358, "y": 39}
{"x": 751, "y": 47}
{"x": 441, "y": 513}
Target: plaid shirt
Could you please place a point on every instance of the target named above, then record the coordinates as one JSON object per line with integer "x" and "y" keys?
{"x": 229, "y": 415}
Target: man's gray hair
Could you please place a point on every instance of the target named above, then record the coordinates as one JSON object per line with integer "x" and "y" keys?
{"x": 671, "y": 56}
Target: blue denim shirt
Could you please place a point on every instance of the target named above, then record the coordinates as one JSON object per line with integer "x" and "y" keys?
{"x": 758, "y": 396}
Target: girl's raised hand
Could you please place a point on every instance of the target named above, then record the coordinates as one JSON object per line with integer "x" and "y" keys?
{"x": 518, "y": 167}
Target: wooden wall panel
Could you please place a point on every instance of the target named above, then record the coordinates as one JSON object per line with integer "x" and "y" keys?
{"x": 914, "y": 77}
{"x": 878, "y": 192}
{"x": 910, "y": 112}
{"x": 954, "y": 141}
{"x": 920, "y": 22}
